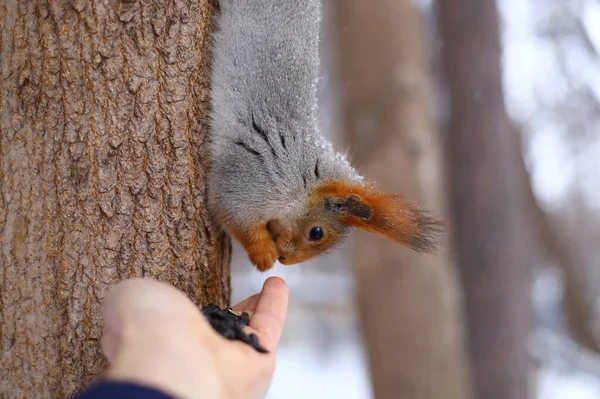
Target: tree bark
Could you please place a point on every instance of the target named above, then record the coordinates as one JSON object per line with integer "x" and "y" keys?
{"x": 102, "y": 124}
{"x": 491, "y": 228}
{"x": 408, "y": 302}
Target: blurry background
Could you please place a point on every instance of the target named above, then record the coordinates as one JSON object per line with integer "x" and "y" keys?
{"x": 504, "y": 144}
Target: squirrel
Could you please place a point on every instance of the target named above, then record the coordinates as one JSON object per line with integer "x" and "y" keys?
{"x": 274, "y": 182}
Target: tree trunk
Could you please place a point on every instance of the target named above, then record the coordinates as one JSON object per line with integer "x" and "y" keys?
{"x": 487, "y": 201}
{"x": 559, "y": 248}
{"x": 102, "y": 124}
{"x": 408, "y": 302}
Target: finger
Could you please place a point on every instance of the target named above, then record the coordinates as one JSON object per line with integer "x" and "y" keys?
{"x": 271, "y": 309}
{"x": 248, "y": 304}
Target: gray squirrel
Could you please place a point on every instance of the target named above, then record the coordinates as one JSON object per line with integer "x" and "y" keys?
{"x": 274, "y": 182}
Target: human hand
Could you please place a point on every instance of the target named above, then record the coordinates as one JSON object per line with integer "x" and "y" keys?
{"x": 155, "y": 336}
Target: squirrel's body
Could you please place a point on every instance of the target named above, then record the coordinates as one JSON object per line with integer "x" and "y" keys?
{"x": 266, "y": 145}
{"x": 267, "y": 156}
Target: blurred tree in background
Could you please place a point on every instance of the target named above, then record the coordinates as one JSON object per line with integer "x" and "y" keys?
{"x": 408, "y": 302}
{"x": 567, "y": 105}
{"x": 491, "y": 228}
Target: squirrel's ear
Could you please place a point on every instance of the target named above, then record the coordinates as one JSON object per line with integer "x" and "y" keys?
{"x": 349, "y": 206}
{"x": 391, "y": 216}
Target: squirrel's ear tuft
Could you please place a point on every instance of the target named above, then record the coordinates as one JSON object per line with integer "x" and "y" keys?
{"x": 391, "y": 216}
{"x": 351, "y": 205}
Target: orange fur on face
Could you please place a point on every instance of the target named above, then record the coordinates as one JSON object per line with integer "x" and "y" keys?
{"x": 291, "y": 237}
{"x": 336, "y": 207}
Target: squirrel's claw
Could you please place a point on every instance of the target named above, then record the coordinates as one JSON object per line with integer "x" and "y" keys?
{"x": 259, "y": 245}
{"x": 264, "y": 258}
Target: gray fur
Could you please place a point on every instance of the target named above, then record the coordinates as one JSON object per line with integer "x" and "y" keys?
{"x": 265, "y": 149}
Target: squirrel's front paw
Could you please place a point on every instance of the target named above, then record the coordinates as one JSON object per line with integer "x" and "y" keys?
{"x": 264, "y": 257}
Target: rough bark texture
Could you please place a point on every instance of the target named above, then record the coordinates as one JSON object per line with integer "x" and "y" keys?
{"x": 408, "y": 302}
{"x": 492, "y": 236}
{"x": 103, "y": 111}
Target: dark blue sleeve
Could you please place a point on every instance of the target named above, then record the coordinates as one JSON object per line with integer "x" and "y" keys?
{"x": 121, "y": 390}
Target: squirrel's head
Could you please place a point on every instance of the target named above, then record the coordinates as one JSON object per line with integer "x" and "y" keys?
{"x": 336, "y": 207}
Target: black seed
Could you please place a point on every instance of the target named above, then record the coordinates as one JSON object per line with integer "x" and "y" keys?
{"x": 231, "y": 326}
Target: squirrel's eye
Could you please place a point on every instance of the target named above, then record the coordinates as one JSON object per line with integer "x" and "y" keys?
{"x": 316, "y": 233}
